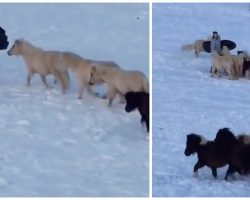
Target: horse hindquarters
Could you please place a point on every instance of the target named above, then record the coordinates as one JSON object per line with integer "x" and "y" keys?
{"x": 244, "y": 157}
{"x": 240, "y": 160}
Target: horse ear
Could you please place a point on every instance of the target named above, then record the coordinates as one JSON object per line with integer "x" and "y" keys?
{"x": 18, "y": 42}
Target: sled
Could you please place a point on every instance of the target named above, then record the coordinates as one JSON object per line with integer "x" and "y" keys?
{"x": 228, "y": 43}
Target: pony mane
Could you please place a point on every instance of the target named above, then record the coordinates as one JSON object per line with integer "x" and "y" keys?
{"x": 245, "y": 138}
{"x": 27, "y": 46}
{"x": 225, "y": 137}
{"x": 244, "y": 54}
{"x": 225, "y": 51}
{"x": 204, "y": 141}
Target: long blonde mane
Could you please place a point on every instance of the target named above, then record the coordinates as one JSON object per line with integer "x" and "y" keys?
{"x": 26, "y": 47}
{"x": 225, "y": 51}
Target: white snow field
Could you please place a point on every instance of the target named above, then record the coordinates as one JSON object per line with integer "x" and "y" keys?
{"x": 53, "y": 144}
{"x": 186, "y": 99}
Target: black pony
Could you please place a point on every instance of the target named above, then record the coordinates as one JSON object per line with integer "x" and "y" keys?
{"x": 140, "y": 101}
{"x": 240, "y": 157}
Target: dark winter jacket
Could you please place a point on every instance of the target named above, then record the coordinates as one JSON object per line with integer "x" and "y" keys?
{"x": 3, "y": 39}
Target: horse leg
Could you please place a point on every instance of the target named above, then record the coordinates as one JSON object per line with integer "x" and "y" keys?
{"x": 213, "y": 70}
{"x": 111, "y": 95}
{"x": 29, "y": 77}
{"x": 147, "y": 123}
{"x": 237, "y": 70}
{"x": 43, "y": 78}
{"x": 230, "y": 171}
{"x": 214, "y": 172}
{"x": 195, "y": 51}
{"x": 81, "y": 84}
{"x": 81, "y": 89}
{"x": 230, "y": 76}
{"x": 142, "y": 120}
{"x": 232, "y": 73}
{"x": 89, "y": 89}
{"x": 121, "y": 98}
{"x": 59, "y": 77}
{"x": 197, "y": 166}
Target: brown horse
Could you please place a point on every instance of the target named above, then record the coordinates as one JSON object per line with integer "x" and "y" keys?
{"x": 214, "y": 154}
{"x": 140, "y": 101}
{"x": 39, "y": 61}
{"x": 240, "y": 157}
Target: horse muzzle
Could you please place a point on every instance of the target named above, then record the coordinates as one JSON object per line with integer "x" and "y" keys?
{"x": 9, "y": 53}
{"x": 128, "y": 109}
{"x": 187, "y": 153}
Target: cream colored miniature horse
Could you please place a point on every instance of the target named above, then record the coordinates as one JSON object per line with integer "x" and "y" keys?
{"x": 39, "y": 61}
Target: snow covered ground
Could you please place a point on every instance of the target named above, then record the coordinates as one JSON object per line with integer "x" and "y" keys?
{"x": 53, "y": 144}
{"x": 186, "y": 99}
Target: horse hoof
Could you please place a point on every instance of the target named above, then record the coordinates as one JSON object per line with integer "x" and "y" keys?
{"x": 195, "y": 174}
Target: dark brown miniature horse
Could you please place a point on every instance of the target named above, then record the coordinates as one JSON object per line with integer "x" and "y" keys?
{"x": 240, "y": 158}
{"x": 245, "y": 67}
{"x": 140, "y": 101}
{"x": 214, "y": 154}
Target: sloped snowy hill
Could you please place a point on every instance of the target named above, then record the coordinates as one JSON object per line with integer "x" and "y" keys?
{"x": 53, "y": 144}
{"x": 186, "y": 99}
